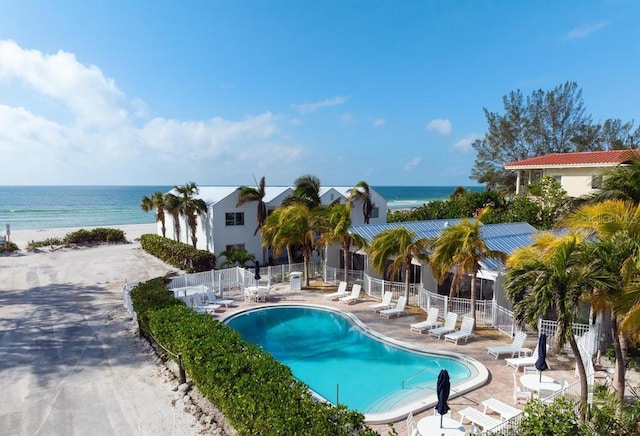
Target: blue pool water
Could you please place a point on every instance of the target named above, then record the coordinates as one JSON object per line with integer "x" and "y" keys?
{"x": 324, "y": 349}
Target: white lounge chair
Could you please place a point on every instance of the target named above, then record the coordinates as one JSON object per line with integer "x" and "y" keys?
{"x": 478, "y": 418}
{"x": 465, "y": 332}
{"x": 213, "y": 299}
{"x": 397, "y": 310}
{"x": 515, "y": 348}
{"x": 448, "y": 327}
{"x": 517, "y": 362}
{"x": 200, "y": 307}
{"x": 431, "y": 321}
{"x": 384, "y": 304}
{"x": 354, "y": 297}
{"x": 504, "y": 410}
{"x": 341, "y": 292}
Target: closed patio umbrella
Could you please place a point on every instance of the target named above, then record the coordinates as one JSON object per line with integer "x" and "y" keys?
{"x": 443, "y": 388}
{"x": 257, "y": 274}
{"x": 541, "y": 363}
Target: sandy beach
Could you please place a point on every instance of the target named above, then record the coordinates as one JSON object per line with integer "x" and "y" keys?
{"x": 70, "y": 358}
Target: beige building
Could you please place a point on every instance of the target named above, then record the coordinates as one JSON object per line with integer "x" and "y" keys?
{"x": 579, "y": 173}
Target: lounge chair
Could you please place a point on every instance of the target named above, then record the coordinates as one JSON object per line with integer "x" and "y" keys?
{"x": 515, "y": 348}
{"x": 465, "y": 332}
{"x": 431, "y": 321}
{"x": 341, "y": 292}
{"x": 354, "y": 297}
{"x": 517, "y": 362}
{"x": 397, "y": 310}
{"x": 448, "y": 327}
{"x": 384, "y": 304}
{"x": 213, "y": 299}
{"x": 504, "y": 410}
{"x": 199, "y": 306}
{"x": 478, "y": 418}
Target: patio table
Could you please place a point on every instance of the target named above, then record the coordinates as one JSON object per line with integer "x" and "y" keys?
{"x": 431, "y": 426}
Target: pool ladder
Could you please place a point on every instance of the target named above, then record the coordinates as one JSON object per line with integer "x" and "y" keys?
{"x": 417, "y": 374}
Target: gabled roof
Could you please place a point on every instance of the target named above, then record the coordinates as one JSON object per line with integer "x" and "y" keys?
{"x": 586, "y": 158}
{"x": 503, "y": 237}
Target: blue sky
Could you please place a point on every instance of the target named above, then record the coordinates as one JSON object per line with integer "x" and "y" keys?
{"x": 224, "y": 92}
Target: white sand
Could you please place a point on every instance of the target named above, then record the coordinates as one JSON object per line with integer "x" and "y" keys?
{"x": 70, "y": 358}
{"x": 22, "y": 237}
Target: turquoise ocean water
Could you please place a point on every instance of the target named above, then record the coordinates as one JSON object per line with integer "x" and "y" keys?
{"x": 42, "y": 207}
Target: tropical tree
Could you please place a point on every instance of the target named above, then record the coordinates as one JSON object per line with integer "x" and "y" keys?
{"x": 306, "y": 191}
{"x": 362, "y": 192}
{"x": 620, "y": 183}
{"x": 236, "y": 256}
{"x": 334, "y": 222}
{"x": 155, "y": 201}
{"x": 616, "y": 226}
{"x": 399, "y": 246}
{"x": 550, "y": 276}
{"x": 460, "y": 248}
{"x": 248, "y": 194}
{"x": 271, "y": 236}
{"x": 172, "y": 206}
{"x": 191, "y": 207}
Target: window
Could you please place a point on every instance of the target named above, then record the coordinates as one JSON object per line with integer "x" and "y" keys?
{"x": 596, "y": 182}
{"x": 235, "y": 246}
{"x": 375, "y": 212}
{"x": 234, "y": 218}
{"x": 559, "y": 179}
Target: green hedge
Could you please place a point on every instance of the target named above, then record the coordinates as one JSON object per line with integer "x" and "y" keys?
{"x": 257, "y": 394}
{"x": 180, "y": 255}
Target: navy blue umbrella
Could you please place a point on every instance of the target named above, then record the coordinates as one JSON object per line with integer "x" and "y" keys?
{"x": 443, "y": 388}
{"x": 257, "y": 274}
{"x": 541, "y": 363}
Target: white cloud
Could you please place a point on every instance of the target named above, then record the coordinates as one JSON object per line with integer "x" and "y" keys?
{"x": 310, "y": 107}
{"x": 464, "y": 144}
{"x": 379, "y": 122}
{"x": 441, "y": 126}
{"x": 100, "y": 141}
{"x": 586, "y": 30}
{"x": 412, "y": 164}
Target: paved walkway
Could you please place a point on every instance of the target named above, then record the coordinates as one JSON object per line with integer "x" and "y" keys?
{"x": 500, "y": 383}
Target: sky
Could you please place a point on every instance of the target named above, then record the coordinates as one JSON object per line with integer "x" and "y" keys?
{"x": 120, "y": 92}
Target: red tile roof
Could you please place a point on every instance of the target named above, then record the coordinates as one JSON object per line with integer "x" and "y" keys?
{"x": 595, "y": 158}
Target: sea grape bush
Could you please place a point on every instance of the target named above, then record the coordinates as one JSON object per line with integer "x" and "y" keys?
{"x": 256, "y": 393}
{"x": 180, "y": 255}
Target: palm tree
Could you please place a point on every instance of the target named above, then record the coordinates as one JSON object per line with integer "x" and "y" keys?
{"x": 549, "y": 277}
{"x": 335, "y": 223}
{"x": 236, "y": 256}
{"x": 156, "y": 201}
{"x": 191, "y": 207}
{"x": 172, "y": 205}
{"x": 362, "y": 192}
{"x": 616, "y": 224}
{"x": 248, "y": 194}
{"x": 460, "y": 248}
{"x": 401, "y": 246}
{"x": 306, "y": 191}
{"x": 271, "y": 236}
{"x": 620, "y": 183}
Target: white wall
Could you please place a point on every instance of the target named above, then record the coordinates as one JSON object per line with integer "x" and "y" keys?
{"x": 576, "y": 181}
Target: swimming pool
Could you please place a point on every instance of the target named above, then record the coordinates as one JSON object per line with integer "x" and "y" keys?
{"x": 343, "y": 361}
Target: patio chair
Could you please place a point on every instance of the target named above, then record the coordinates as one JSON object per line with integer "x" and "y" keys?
{"x": 504, "y": 410}
{"x": 520, "y": 393}
{"x": 199, "y": 306}
{"x": 517, "y": 362}
{"x": 465, "y": 332}
{"x": 411, "y": 428}
{"x": 341, "y": 292}
{"x": 213, "y": 299}
{"x": 431, "y": 321}
{"x": 354, "y": 297}
{"x": 384, "y": 304}
{"x": 448, "y": 327}
{"x": 398, "y": 310}
{"x": 478, "y": 418}
{"x": 516, "y": 347}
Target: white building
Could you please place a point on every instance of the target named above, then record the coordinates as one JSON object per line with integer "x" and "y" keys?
{"x": 578, "y": 173}
{"x": 226, "y": 225}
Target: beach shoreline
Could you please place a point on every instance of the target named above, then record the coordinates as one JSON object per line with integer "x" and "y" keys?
{"x": 22, "y": 237}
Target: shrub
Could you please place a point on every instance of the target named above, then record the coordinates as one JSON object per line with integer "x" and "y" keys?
{"x": 255, "y": 392}
{"x": 558, "y": 419}
{"x": 10, "y": 247}
{"x": 180, "y": 255}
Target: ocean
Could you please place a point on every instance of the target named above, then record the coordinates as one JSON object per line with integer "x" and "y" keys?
{"x": 44, "y": 207}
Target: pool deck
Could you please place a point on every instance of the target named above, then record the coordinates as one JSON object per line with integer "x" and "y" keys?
{"x": 499, "y": 384}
